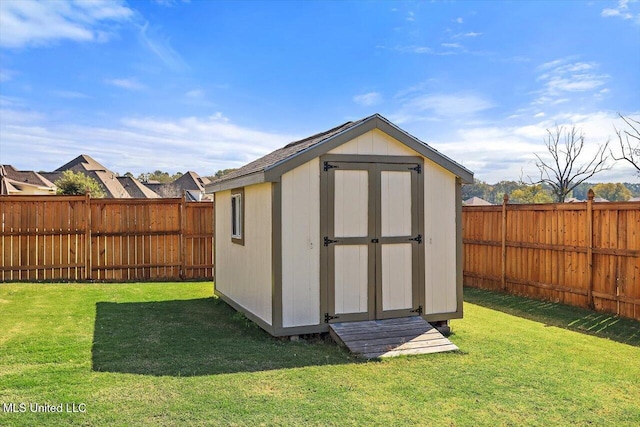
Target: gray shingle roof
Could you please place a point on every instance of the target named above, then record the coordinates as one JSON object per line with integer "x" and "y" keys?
{"x": 285, "y": 152}
{"x": 136, "y": 189}
{"x": 29, "y": 177}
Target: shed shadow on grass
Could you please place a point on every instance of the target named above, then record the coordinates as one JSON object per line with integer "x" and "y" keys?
{"x": 195, "y": 337}
{"x": 577, "y": 319}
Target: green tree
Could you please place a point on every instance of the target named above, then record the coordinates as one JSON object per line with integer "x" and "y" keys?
{"x": 530, "y": 194}
{"x": 612, "y": 192}
{"x": 159, "y": 176}
{"x": 499, "y": 189}
{"x": 477, "y": 189}
{"x": 72, "y": 183}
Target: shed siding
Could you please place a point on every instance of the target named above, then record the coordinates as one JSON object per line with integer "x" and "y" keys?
{"x": 244, "y": 273}
{"x": 374, "y": 142}
{"x": 440, "y": 239}
{"x": 301, "y": 245}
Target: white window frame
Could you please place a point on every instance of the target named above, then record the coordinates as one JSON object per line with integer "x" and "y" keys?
{"x": 237, "y": 216}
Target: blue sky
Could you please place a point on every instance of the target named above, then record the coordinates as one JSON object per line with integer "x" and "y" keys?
{"x": 208, "y": 85}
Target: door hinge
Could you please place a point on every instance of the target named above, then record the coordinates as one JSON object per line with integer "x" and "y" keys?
{"x": 327, "y": 317}
{"x": 328, "y": 166}
{"x": 418, "y": 238}
{"x": 417, "y": 310}
{"x": 328, "y": 241}
{"x": 416, "y": 168}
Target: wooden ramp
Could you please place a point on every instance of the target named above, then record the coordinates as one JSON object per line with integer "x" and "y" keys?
{"x": 390, "y": 337}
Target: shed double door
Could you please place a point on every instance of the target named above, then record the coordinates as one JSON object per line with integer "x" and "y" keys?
{"x": 372, "y": 239}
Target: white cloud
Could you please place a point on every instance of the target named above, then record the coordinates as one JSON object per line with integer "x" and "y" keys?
{"x": 68, "y": 94}
{"x": 459, "y": 20}
{"x": 130, "y": 83}
{"x": 408, "y": 49}
{"x": 368, "y": 99}
{"x": 411, "y": 17}
{"x": 440, "y": 106}
{"x": 622, "y": 11}
{"x": 6, "y": 74}
{"x": 561, "y": 77}
{"x": 33, "y": 23}
{"x": 203, "y": 144}
{"x": 161, "y": 47}
{"x": 195, "y": 94}
{"x": 469, "y": 34}
{"x": 452, "y": 45}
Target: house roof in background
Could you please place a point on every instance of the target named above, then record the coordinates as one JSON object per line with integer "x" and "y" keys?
{"x": 83, "y": 162}
{"x": 191, "y": 181}
{"x": 27, "y": 177}
{"x": 476, "y": 201}
{"x": 136, "y": 189}
{"x": 107, "y": 180}
{"x": 190, "y": 184}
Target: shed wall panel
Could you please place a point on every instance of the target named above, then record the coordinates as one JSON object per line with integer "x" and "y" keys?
{"x": 301, "y": 245}
{"x": 244, "y": 272}
{"x": 374, "y": 142}
{"x": 440, "y": 239}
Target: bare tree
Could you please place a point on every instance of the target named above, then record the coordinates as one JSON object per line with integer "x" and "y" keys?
{"x": 565, "y": 171}
{"x": 629, "y": 143}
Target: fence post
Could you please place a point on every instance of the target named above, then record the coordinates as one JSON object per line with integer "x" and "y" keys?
{"x": 182, "y": 210}
{"x": 505, "y": 200}
{"x": 87, "y": 243}
{"x": 590, "y": 196}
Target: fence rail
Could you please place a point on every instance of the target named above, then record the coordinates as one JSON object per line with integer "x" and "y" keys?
{"x": 584, "y": 254}
{"x": 79, "y": 238}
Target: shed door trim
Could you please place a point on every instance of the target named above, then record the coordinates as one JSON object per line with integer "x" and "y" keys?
{"x": 377, "y": 246}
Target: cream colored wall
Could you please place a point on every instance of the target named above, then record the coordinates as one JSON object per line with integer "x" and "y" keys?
{"x": 374, "y": 142}
{"x": 440, "y": 239}
{"x": 300, "y": 191}
{"x": 244, "y": 273}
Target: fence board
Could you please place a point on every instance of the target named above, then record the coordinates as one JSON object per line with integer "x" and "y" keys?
{"x": 78, "y": 238}
{"x": 583, "y": 254}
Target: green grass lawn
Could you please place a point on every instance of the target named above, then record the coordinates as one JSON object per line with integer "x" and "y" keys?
{"x": 171, "y": 354}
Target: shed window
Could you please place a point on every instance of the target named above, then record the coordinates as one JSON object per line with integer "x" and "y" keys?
{"x": 237, "y": 216}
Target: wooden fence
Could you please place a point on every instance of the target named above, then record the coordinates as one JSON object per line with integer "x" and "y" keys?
{"x": 79, "y": 238}
{"x": 584, "y": 254}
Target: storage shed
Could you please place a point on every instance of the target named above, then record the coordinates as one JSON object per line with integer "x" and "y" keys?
{"x": 361, "y": 222}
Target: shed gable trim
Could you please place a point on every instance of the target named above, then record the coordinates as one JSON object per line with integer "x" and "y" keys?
{"x": 242, "y": 181}
{"x": 273, "y": 173}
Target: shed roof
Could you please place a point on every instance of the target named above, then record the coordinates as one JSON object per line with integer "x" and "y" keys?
{"x": 273, "y": 165}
